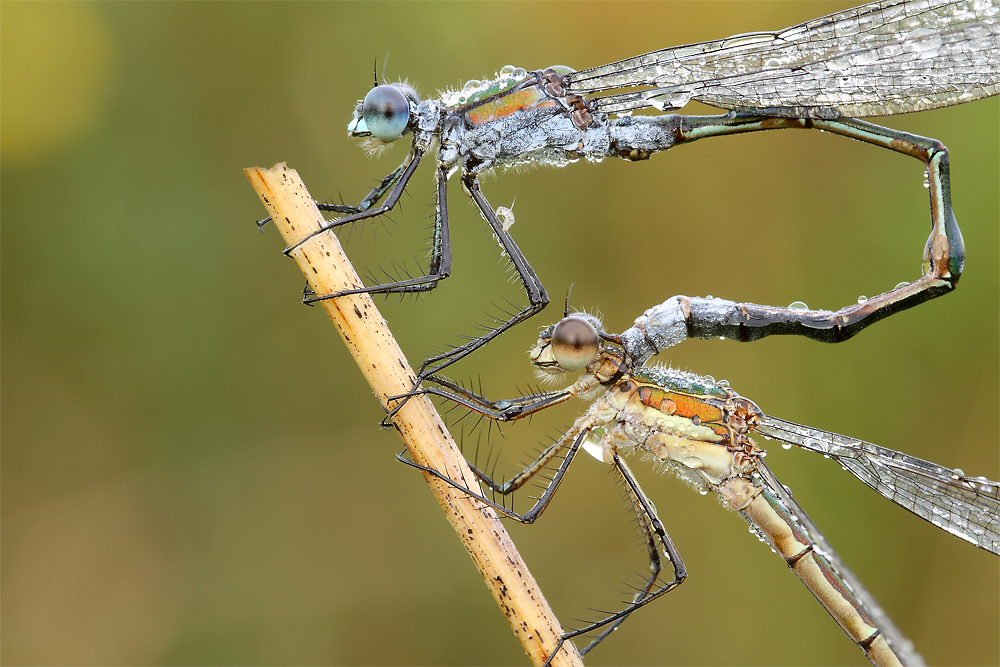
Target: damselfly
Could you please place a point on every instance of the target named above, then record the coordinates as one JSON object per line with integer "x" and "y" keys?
{"x": 889, "y": 57}
{"x": 700, "y": 429}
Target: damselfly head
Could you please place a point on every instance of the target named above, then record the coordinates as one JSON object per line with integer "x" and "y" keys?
{"x": 385, "y": 113}
{"x": 571, "y": 345}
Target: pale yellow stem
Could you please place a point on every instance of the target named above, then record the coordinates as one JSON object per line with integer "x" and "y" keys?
{"x": 382, "y": 362}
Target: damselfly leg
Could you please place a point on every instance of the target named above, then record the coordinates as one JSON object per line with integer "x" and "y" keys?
{"x": 440, "y": 262}
{"x": 370, "y": 199}
{"x": 537, "y": 296}
{"x": 656, "y": 540}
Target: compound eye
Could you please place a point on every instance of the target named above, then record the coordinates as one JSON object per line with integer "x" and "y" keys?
{"x": 575, "y": 343}
{"x": 386, "y": 111}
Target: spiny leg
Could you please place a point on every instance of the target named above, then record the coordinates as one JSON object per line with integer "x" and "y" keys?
{"x": 654, "y": 534}
{"x": 440, "y": 266}
{"x": 537, "y": 297}
{"x": 370, "y": 199}
{"x": 518, "y": 480}
{"x": 504, "y": 410}
{"x": 501, "y": 411}
{"x": 398, "y": 179}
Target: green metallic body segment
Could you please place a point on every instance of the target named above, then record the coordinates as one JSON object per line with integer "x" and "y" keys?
{"x": 675, "y": 380}
{"x": 502, "y": 106}
{"x": 499, "y": 86}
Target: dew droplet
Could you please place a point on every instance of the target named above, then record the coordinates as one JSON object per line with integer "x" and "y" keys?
{"x": 798, "y": 306}
{"x": 505, "y": 216}
{"x": 862, "y": 300}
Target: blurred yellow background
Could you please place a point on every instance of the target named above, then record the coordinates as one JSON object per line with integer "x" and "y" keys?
{"x": 192, "y": 467}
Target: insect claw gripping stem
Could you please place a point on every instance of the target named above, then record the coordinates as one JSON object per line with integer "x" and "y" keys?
{"x": 323, "y": 206}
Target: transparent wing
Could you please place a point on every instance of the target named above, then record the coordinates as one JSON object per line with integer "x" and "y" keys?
{"x": 968, "y": 507}
{"x": 889, "y": 57}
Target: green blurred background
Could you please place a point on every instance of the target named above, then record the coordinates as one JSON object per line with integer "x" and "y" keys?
{"x": 193, "y": 471}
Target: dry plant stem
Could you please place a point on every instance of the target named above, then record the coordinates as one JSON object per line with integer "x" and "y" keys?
{"x": 382, "y": 362}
